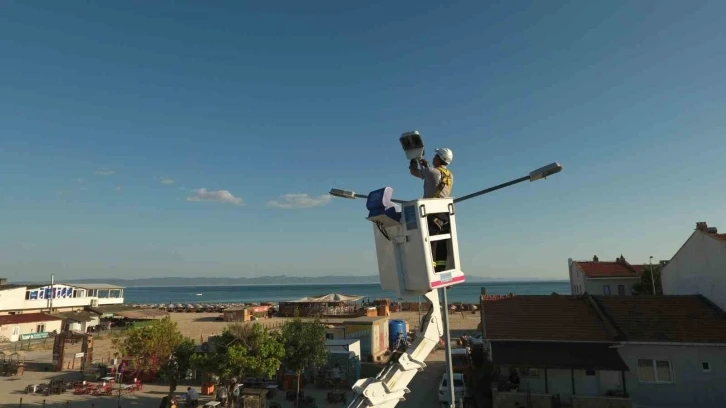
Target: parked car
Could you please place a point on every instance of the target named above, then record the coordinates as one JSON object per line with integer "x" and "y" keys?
{"x": 459, "y": 389}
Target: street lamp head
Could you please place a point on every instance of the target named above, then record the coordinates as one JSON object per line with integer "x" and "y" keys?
{"x": 335, "y": 192}
{"x": 544, "y": 172}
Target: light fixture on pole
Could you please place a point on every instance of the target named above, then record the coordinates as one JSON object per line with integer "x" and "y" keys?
{"x": 403, "y": 246}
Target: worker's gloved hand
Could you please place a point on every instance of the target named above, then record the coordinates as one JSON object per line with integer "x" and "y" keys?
{"x": 413, "y": 164}
{"x": 424, "y": 163}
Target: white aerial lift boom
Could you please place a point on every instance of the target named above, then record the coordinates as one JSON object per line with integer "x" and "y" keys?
{"x": 405, "y": 265}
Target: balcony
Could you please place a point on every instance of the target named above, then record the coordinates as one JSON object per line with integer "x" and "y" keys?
{"x": 510, "y": 399}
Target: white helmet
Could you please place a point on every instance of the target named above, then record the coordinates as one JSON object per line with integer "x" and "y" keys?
{"x": 445, "y": 154}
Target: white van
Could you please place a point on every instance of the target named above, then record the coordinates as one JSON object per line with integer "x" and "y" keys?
{"x": 459, "y": 389}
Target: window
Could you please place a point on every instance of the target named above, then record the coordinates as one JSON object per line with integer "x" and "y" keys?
{"x": 621, "y": 290}
{"x": 458, "y": 383}
{"x": 40, "y": 328}
{"x": 706, "y": 366}
{"x": 329, "y": 336}
{"x": 606, "y": 289}
{"x": 529, "y": 372}
{"x": 27, "y": 295}
{"x": 656, "y": 371}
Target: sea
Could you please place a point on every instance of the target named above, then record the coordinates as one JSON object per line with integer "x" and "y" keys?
{"x": 466, "y": 292}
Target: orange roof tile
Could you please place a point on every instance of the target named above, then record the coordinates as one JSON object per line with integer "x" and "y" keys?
{"x": 678, "y": 319}
{"x": 27, "y": 318}
{"x": 657, "y": 319}
{"x": 544, "y": 318}
{"x": 609, "y": 269}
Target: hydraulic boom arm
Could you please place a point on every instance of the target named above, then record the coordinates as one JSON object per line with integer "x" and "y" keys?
{"x": 391, "y": 384}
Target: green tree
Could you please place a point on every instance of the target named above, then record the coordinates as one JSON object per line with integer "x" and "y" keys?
{"x": 645, "y": 286}
{"x": 178, "y": 363}
{"x": 241, "y": 350}
{"x": 158, "y": 349}
{"x": 304, "y": 346}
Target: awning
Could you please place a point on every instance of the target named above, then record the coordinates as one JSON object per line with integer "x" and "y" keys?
{"x": 80, "y": 317}
{"x": 561, "y": 355}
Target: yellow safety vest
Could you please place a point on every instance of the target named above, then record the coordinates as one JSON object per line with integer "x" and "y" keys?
{"x": 446, "y": 181}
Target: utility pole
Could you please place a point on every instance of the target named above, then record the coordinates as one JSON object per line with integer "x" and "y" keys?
{"x": 652, "y": 276}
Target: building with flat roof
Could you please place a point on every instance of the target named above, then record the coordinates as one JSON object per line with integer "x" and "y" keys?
{"x": 28, "y": 325}
{"x": 59, "y": 297}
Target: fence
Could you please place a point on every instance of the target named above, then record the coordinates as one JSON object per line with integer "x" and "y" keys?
{"x": 27, "y": 345}
{"x": 59, "y": 404}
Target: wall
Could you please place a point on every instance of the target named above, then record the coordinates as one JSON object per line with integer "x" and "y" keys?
{"x": 351, "y": 345}
{"x": 362, "y": 332}
{"x": 559, "y": 382}
{"x": 691, "y": 387}
{"x": 595, "y": 286}
{"x": 12, "y": 299}
{"x": 509, "y": 399}
{"x": 82, "y": 326}
{"x": 25, "y": 328}
{"x": 576, "y": 278}
{"x": 601, "y": 402}
{"x": 373, "y": 336}
{"x": 697, "y": 268}
{"x": 107, "y": 301}
{"x": 335, "y": 333}
{"x": 57, "y": 303}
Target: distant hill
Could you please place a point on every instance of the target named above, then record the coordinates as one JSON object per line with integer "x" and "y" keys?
{"x": 263, "y": 280}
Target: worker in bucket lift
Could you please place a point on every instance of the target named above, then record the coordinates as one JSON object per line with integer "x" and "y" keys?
{"x": 438, "y": 181}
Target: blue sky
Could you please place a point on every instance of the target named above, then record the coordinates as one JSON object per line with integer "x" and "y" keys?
{"x": 113, "y": 117}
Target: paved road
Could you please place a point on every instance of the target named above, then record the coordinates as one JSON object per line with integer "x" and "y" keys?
{"x": 425, "y": 385}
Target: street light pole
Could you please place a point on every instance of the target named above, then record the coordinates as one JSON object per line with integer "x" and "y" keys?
{"x": 541, "y": 173}
{"x": 652, "y": 276}
{"x": 447, "y": 349}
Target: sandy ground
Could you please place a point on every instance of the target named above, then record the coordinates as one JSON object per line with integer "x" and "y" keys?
{"x": 198, "y": 326}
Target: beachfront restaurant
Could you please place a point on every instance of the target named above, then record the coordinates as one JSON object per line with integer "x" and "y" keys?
{"x": 332, "y": 304}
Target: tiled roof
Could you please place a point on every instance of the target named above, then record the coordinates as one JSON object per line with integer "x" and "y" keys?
{"x": 487, "y": 298}
{"x": 658, "y": 319}
{"x": 27, "y": 318}
{"x": 721, "y": 237}
{"x": 544, "y": 318}
{"x": 582, "y": 356}
{"x": 609, "y": 269}
{"x": 677, "y": 319}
